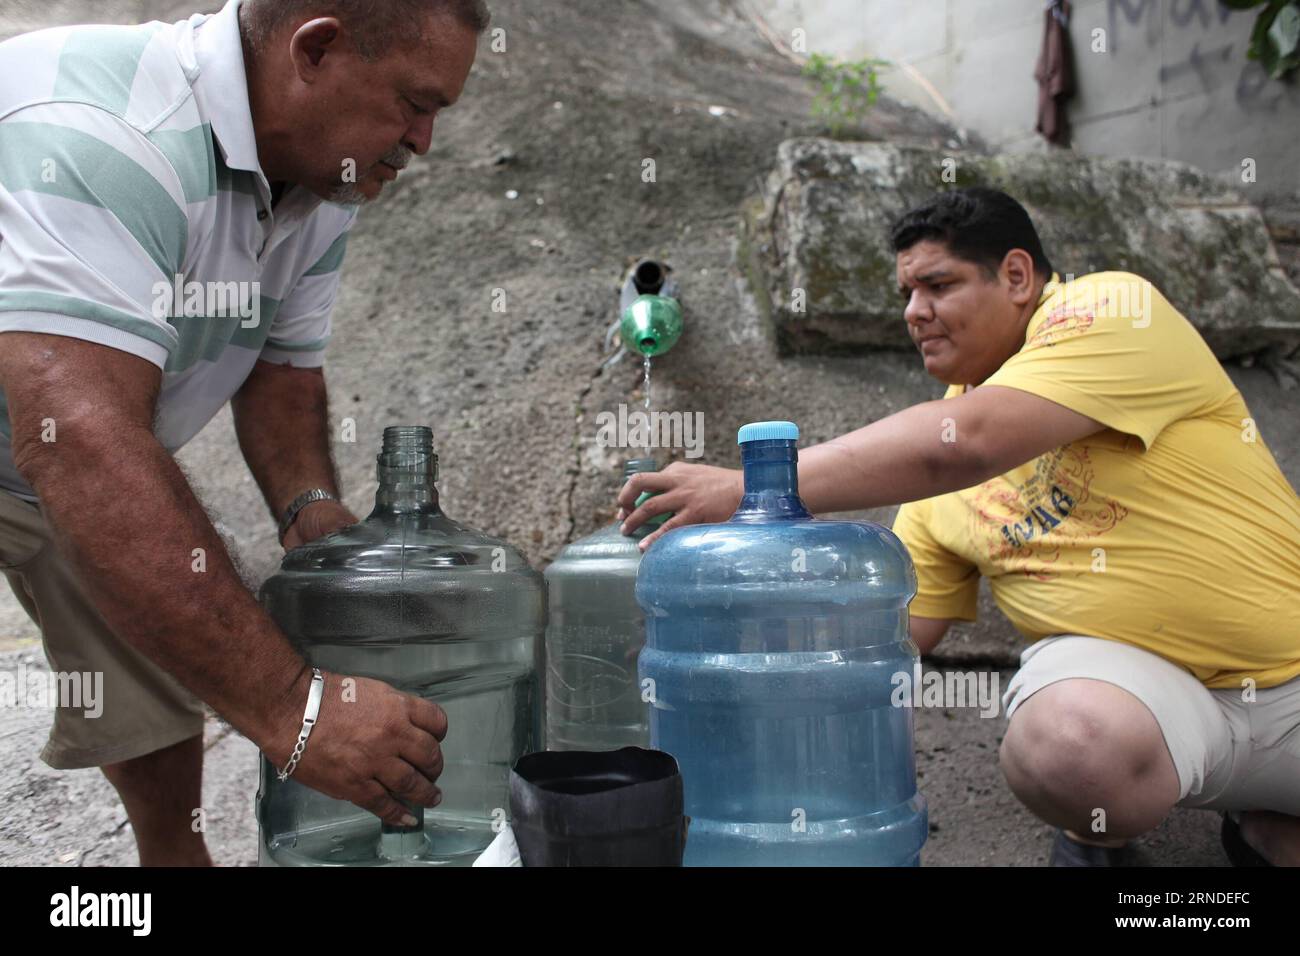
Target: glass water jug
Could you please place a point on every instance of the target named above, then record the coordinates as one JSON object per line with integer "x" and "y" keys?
{"x": 411, "y": 597}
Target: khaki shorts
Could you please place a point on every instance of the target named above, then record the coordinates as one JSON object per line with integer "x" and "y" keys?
{"x": 142, "y": 708}
{"x": 1230, "y": 753}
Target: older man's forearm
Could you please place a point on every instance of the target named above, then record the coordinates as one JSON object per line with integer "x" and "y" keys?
{"x": 282, "y": 421}
{"x": 121, "y": 510}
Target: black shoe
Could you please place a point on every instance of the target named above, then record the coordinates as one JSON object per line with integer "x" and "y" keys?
{"x": 1240, "y": 853}
{"x": 1067, "y": 852}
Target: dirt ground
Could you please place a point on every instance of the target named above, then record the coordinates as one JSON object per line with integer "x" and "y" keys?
{"x": 585, "y": 92}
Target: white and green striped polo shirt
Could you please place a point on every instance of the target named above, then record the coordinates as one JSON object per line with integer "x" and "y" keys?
{"x": 129, "y": 174}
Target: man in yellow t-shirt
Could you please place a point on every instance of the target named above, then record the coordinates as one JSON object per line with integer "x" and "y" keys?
{"x": 1091, "y": 459}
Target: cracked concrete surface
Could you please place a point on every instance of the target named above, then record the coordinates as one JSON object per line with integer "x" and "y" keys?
{"x": 73, "y": 818}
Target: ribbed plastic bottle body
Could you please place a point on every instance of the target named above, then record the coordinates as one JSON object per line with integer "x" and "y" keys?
{"x": 594, "y": 633}
{"x": 772, "y": 642}
{"x": 435, "y": 609}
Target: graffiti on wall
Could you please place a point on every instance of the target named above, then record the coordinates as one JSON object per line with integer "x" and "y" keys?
{"x": 1212, "y": 62}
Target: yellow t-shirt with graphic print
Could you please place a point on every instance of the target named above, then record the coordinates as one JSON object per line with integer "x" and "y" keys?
{"x": 1172, "y": 530}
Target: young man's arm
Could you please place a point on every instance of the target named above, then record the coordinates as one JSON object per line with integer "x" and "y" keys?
{"x": 927, "y": 632}
{"x": 282, "y": 420}
{"x": 123, "y": 514}
{"x": 923, "y": 451}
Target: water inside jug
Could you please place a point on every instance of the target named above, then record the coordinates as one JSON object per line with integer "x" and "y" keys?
{"x": 411, "y": 597}
{"x": 771, "y": 643}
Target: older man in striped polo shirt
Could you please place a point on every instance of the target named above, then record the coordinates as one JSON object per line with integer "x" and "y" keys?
{"x": 174, "y": 206}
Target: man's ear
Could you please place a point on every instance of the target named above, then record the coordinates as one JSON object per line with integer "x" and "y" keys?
{"x": 311, "y": 42}
{"x": 1017, "y": 273}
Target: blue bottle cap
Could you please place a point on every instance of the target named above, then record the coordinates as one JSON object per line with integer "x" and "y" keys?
{"x": 758, "y": 431}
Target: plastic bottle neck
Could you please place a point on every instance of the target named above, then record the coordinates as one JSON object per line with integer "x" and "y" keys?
{"x": 635, "y": 466}
{"x": 407, "y": 470}
{"x": 771, "y": 481}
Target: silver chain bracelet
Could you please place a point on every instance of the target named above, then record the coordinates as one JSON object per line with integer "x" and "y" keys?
{"x": 308, "y": 721}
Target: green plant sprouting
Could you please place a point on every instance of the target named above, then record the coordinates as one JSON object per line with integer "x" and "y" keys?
{"x": 846, "y": 91}
{"x": 1275, "y": 40}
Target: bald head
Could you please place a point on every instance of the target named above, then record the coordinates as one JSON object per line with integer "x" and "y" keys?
{"x": 372, "y": 26}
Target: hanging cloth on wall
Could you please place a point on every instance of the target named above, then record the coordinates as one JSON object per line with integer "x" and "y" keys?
{"x": 1055, "y": 73}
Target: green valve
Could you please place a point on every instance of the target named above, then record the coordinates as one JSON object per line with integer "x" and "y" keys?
{"x": 651, "y": 325}
{"x": 657, "y": 519}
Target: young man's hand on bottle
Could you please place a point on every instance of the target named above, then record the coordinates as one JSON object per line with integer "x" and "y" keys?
{"x": 370, "y": 744}
{"x": 696, "y": 494}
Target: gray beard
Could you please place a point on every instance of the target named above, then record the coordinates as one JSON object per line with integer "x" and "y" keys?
{"x": 347, "y": 194}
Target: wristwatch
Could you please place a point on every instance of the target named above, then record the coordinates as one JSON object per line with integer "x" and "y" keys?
{"x": 302, "y": 501}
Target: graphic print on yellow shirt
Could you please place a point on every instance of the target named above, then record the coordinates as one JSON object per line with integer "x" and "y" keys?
{"x": 1026, "y": 523}
{"x": 1173, "y": 529}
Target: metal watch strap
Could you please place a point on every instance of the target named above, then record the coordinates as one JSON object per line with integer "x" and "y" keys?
{"x": 308, "y": 722}
{"x": 302, "y": 501}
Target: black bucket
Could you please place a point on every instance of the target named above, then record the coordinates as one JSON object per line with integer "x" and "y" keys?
{"x": 609, "y": 808}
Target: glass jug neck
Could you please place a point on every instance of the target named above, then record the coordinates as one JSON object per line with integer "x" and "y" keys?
{"x": 407, "y": 470}
{"x": 771, "y": 481}
{"x": 406, "y": 491}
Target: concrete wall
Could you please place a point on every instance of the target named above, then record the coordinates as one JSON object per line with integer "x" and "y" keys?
{"x": 1169, "y": 78}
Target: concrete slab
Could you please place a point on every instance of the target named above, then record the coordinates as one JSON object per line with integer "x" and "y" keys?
{"x": 73, "y": 818}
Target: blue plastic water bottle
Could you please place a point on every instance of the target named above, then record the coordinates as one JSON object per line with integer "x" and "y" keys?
{"x": 772, "y": 642}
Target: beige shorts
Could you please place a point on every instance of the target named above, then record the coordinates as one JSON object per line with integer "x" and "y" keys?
{"x": 1230, "y": 753}
{"x": 141, "y": 708}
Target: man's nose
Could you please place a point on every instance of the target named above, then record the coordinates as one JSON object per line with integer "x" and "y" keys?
{"x": 918, "y": 309}
{"x": 420, "y": 136}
